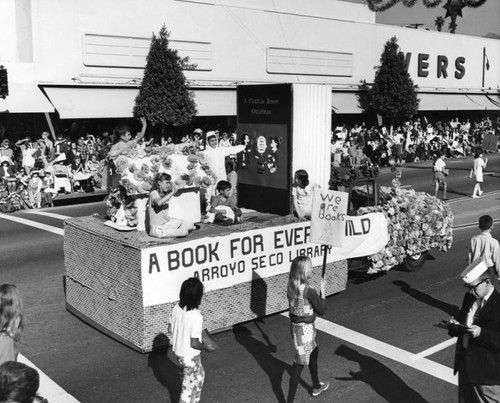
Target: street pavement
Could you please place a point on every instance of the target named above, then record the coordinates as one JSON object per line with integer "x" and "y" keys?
{"x": 377, "y": 341}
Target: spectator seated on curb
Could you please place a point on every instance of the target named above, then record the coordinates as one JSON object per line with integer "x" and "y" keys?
{"x": 8, "y": 174}
{"x": 23, "y": 196}
{"x": 6, "y": 202}
{"x": 5, "y": 151}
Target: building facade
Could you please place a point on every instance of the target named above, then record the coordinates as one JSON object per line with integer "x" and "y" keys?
{"x": 85, "y": 58}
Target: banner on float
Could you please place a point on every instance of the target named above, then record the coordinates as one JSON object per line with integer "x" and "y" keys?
{"x": 328, "y": 216}
{"x": 221, "y": 262}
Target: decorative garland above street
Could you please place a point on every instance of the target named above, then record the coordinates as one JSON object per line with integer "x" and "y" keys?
{"x": 383, "y": 5}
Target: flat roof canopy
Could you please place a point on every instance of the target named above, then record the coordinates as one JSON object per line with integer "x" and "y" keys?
{"x": 25, "y": 98}
{"x": 116, "y": 102}
{"x": 455, "y": 102}
{"x": 345, "y": 102}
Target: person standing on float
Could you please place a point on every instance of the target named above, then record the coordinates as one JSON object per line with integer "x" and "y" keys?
{"x": 216, "y": 159}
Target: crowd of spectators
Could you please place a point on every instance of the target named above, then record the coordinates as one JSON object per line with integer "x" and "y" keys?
{"x": 416, "y": 140}
{"x": 35, "y": 171}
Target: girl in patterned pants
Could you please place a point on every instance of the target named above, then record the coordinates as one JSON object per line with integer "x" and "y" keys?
{"x": 304, "y": 304}
{"x": 187, "y": 341}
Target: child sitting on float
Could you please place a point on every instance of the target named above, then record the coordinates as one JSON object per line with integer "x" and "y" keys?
{"x": 223, "y": 206}
{"x": 158, "y": 222}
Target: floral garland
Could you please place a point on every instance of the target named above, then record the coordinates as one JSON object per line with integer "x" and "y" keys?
{"x": 473, "y": 3}
{"x": 416, "y": 222}
{"x": 432, "y": 3}
{"x": 380, "y": 6}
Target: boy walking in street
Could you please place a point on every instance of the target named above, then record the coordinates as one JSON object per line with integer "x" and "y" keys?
{"x": 485, "y": 246}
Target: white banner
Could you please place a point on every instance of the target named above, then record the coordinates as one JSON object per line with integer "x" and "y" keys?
{"x": 240, "y": 257}
{"x": 328, "y": 216}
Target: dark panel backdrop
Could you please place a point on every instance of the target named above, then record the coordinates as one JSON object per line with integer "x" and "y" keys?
{"x": 264, "y": 126}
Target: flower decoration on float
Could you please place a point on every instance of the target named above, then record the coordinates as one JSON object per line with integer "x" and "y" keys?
{"x": 138, "y": 167}
{"x": 416, "y": 222}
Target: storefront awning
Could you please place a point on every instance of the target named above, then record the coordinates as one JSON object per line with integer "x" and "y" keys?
{"x": 454, "y": 102}
{"x": 211, "y": 102}
{"x": 116, "y": 102}
{"x": 92, "y": 102}
{"x": 345, "y": 102}
{"x": 25, "y": 98}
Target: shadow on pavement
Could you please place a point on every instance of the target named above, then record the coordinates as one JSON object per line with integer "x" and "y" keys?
{"x": 455, "y": 192}
{"x": 261, "y": 351}
{"x": 380, "y": 378}
{"x": 168, "y": 373}
{"x": 360, "y": 275}
{"x": 450, "y": 309}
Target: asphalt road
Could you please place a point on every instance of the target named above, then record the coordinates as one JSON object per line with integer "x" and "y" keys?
{"x": 370, "y": 339}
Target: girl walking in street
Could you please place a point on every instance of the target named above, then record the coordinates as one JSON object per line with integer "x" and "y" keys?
{"x": 11, "y": 322}
{"x": 304, "y": 304}
{"x": 477, "y": 170}
{"x": 187, "y": 340}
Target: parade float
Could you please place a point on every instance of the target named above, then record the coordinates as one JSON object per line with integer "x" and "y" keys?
{"x": 126, "y": 283}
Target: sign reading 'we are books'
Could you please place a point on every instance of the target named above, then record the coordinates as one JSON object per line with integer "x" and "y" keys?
{"x": 354, "y": 235}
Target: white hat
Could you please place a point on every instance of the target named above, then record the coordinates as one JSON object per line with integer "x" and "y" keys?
{"x": 474, "y": 271}
{"x": 210, "y": 134}
{"x": 198, "y": 131}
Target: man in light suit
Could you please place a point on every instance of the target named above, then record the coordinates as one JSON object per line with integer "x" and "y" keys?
{"x": 477, "y": 355}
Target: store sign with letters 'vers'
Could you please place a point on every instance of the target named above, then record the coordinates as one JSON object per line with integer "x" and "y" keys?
{"x": 443, "y": 65}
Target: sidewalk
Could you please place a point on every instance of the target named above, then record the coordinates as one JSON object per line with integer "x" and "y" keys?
{"x": 77, "y": 197}
{"x": 466, "y": 210}
{"x": 48, "y": 388}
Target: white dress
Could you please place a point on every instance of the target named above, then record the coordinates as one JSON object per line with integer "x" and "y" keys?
{"x": 479, "y": 164}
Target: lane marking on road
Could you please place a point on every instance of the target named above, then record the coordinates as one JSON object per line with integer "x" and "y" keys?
{"x": 470, "y": 225}
{"x": 435, "y": 349}
{"x": 44, "y": 227}
{"x": 465, "y": 198}
{"x": 48, "y": 388}
{"x": 386, "y": 350}
{"x": 47, "y": 214}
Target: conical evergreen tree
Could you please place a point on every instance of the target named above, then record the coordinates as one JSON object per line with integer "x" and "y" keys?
{"x": 164, "y": 97}
{"x": 393, "y": 94}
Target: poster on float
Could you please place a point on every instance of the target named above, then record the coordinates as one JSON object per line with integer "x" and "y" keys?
{"x": 329, "y": 216}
